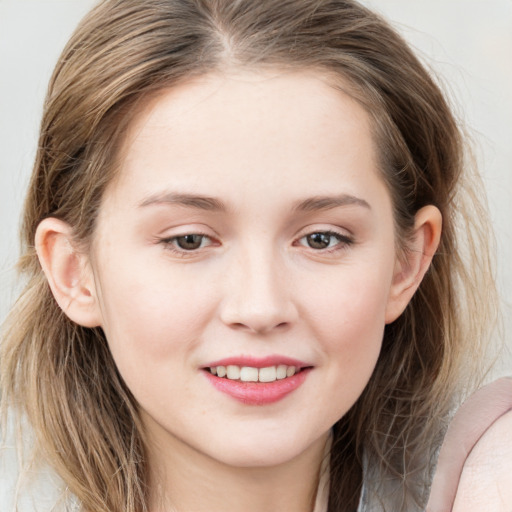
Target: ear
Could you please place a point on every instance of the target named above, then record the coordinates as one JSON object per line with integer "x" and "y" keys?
{"x": 68, "y": 272}
{"x": 410, "y": 269}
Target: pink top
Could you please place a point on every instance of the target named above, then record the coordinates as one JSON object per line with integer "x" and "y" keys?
{"x": 473, "y": 420}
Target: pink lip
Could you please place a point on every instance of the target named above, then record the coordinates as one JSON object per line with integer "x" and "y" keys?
{"x": 258, "y": 393}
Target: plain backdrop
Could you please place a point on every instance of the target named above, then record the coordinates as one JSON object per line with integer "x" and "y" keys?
{"x": 468, "y": 44}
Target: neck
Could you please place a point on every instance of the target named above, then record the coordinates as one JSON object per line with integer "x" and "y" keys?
{"x": 188, "y": 481}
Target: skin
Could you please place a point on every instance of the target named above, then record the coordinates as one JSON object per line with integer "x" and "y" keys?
{"x": 261, "y": 144}
{"x": 475, "y": 462}
{"x": 485, "y": 480}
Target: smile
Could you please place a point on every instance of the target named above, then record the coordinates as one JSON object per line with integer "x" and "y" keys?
{"x": 252, "y": 374}
{"x": 257, "y": 381}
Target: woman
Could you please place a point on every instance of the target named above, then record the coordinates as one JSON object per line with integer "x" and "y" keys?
{"x": 232, "y": 298}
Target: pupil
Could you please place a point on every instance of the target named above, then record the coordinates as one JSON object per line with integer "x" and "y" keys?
{"x": 319, "y": 240}
{"x": 189, "y": 242}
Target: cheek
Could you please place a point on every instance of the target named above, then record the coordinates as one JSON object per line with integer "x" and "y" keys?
{"x": 356, "y": 346}
{"x": 153, "y": 329}
{"x": 351, "y": 302}
{"x": 149, "y": 314}
{"x": 351, "y": 347}
{"x": 349, "y": 321}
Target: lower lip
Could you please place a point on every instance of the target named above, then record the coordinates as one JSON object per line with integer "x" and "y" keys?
{"x": 258, "y": 393}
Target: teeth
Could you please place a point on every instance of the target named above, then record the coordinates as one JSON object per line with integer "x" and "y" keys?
{"x": 268, "y": 374}
{"x": 233, "y": 372}
{"x": 290, "y": 371}
{"x": 281, "y": 371}
{"x": 250, "y": 374}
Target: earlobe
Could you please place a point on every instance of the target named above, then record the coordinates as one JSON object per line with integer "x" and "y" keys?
{"x": 67, "y": 271}
{"x": 411, "y": 268}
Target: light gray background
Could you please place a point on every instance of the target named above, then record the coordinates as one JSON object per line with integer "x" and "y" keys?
{"x": 467, "y": 42}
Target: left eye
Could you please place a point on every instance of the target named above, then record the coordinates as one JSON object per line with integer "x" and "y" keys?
{"x": 189, "y": 242}
{"x": 323, "y": 240}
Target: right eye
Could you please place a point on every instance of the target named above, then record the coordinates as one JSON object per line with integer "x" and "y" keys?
{"x": 190, "y": 242}
{"x": 187, "y": 243}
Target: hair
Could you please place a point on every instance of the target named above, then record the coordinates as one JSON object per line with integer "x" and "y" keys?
{"x": 62, "y": 377}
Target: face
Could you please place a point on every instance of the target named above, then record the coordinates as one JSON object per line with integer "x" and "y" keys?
{"x": 249, "y": 232}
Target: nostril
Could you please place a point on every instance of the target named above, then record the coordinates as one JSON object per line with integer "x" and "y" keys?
{"x": 263, "y": 328}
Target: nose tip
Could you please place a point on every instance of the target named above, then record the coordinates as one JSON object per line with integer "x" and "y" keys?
{"x": 258, "y": 315}
{"x": 256, "y": 325}
{"x": 260, "y": 302}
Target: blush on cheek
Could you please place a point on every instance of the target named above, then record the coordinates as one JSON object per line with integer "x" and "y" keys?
{"x": 153, "y": 327}
{"x": 358, "y": 316}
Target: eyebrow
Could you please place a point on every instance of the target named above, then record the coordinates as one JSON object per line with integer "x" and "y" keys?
{"x": 208, "y": 203}
{"x": 188, "y": 200}
{"x": 329, "y": 202}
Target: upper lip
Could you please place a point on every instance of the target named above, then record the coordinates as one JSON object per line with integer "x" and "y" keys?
{"x": 258, "y": 362}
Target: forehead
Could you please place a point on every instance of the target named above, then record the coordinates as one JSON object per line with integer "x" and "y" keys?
{"x": 252, "y": 130}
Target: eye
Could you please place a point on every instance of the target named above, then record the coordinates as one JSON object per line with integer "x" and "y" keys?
{"x": 322, "y": 240}
{"x": 189, "y": 242}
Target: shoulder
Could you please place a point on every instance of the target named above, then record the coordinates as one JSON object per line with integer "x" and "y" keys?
{"x": 474, "y": 470}
{"x": 486, "y": 480}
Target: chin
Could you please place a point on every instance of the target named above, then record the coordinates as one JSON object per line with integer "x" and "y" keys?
{"x": 258, "y": 459}
{"x": 264, "y": 452}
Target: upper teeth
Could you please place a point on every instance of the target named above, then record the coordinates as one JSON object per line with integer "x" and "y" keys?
{"x": 250, "y": 374}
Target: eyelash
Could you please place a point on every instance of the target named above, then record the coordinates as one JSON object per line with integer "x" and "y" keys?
{"x": 171, "y": 244}
{"x": 343, "y": 242}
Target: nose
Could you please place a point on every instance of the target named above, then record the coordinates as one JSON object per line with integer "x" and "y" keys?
{"x": 258, "y": 294}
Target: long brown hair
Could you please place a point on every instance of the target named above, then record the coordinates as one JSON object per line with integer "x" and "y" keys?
{"x": 62, "y": 376}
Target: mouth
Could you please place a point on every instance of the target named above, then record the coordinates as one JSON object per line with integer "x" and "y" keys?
{"x": 253, "y": 374}
{"x": 257, "y": 382}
